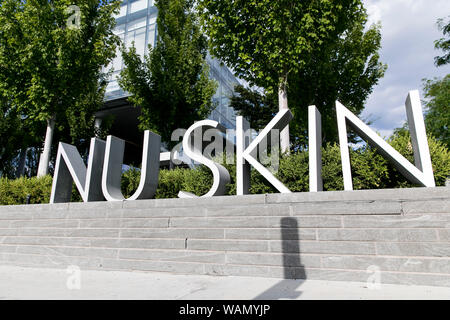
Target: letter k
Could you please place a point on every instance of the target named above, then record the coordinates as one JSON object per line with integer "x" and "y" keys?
{"x": 246, "y": 150}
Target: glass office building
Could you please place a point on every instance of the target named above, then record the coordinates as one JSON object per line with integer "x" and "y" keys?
{"x": 136, "y": 22}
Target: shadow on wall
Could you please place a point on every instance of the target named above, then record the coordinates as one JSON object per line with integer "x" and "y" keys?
{"x": 292, "y": 267}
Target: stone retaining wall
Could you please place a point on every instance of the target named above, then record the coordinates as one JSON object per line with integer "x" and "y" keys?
{"x": 404, "y": 233}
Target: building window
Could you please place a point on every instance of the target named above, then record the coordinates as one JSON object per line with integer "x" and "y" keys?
{"x": 138, "y": 23}
{"x": 122, "y": 12}
{"x": 152, "y": 19}
{"x": 138, "y": 5}
{"x": 151, "y": 36}
{"x": 119, "y": 29}
{"x": 117, "y": 61}
{"x": 138, "y": 36}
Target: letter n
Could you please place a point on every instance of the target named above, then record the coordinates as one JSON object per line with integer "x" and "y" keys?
{"x": 421, "y": 173}
{"x": 70, "y": 168}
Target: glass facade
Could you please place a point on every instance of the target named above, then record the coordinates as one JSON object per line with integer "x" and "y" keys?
{"x": 136, "y": 22}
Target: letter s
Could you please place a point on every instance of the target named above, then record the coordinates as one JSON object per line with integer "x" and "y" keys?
{"x": 193, "y": 149}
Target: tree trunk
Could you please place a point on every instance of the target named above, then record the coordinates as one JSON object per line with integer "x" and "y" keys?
{"x": 98, "y": 125}
{"x": 283, "y": 104}
{"x": 21, "y": 167}
{"x": 45, "y": 155}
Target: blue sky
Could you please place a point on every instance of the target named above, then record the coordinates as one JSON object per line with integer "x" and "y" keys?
{"x": 408, "y": 33}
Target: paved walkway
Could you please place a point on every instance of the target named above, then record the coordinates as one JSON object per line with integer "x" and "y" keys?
{"x": 34, "y": 283}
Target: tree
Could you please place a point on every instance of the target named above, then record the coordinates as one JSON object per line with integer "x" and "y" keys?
{"x": 443, "y": 44}
{"x": 171, "y": 84}
{"x": 51, "y": 59}
{"x": 17, "y": 139}
{"x": 255, "y": 106}
{"x": 79, "y": 120}
{"x": 437, "y": 112}
{"x": 437, "y": 93}
{"x": 266, "y": 42}
{"x": 345, "y": 69}
{"x": 9, "y": 137}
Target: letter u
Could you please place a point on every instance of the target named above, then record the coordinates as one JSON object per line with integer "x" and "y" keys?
{"x": 112, "y": 168}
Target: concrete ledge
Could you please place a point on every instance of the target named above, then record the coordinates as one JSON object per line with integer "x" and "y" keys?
{"x": 402, "y": 194}
{"x": 363, "y": 195}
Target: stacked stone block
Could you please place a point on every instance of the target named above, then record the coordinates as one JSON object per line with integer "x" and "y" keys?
{"x": 344, "y": 235}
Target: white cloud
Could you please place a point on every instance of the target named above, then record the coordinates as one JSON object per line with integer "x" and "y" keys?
{"x": 408, "y": 34}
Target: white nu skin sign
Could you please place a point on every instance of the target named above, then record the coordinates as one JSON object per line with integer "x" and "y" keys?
{"x": 100, "y": 180}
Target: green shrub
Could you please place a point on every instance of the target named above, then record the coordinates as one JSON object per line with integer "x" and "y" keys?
{"x": 440, "y": 159}
{"x": 130, "y": 181}
{"x": 197, "y": 181}
{"x": 170, "y": 183}
{"x": 294, "y": 171}
{"x": 332, "y": 168}
{"x": 16, "y": 191}
{"x": 369, "y": 169}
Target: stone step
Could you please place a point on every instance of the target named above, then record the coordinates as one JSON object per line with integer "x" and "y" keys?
{"x": 368, "y": 248}
{"x": 402, "y": 195}
{"x": 403, "y": 233}
{"x": 386, "y": 277}
{"x": 375, "y": 207}
{"x": 322, "y": 234}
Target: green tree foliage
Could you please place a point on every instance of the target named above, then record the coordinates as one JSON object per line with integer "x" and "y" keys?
{"x": 443, "y": 44}
{"x": 171, "y": 84}
{"x": 17, "y": 134}
{"x": 268, "y": 43}
{"x": 51, "y": 66}
{"x": 255, "y": 106}
{"x": 345, "y": 69}
{"x": 437, "y": 116}
{"x": 10, "y": 137}
{"x": 264, "y": 41}
{"x": 78, "y": 124}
